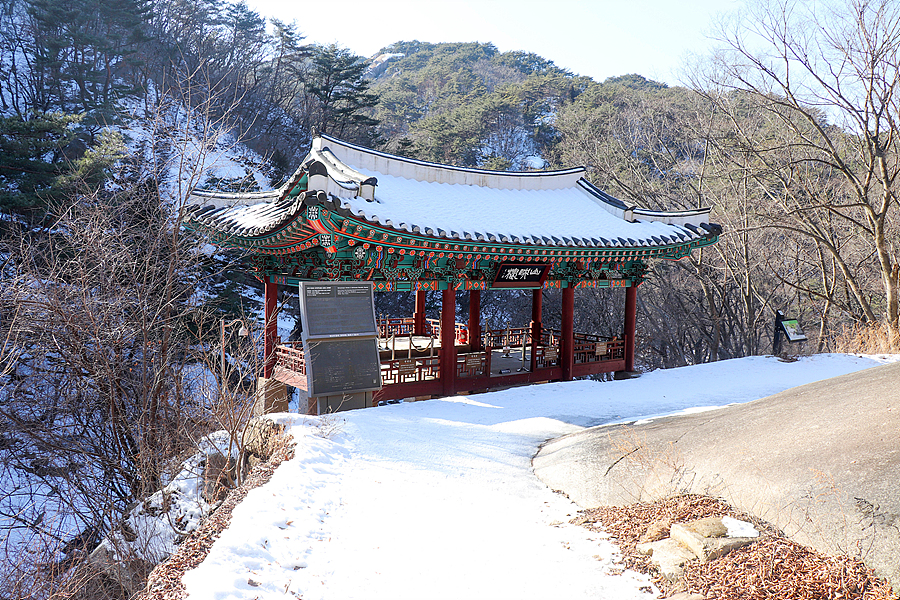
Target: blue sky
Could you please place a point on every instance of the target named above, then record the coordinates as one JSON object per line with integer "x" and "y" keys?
{"x": 599, "y": 38}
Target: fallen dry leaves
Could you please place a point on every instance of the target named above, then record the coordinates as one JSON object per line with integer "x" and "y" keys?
{"x": 772, "y": 568}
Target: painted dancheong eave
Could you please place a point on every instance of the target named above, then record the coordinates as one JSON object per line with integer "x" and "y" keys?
{"x": 426, "y": 220}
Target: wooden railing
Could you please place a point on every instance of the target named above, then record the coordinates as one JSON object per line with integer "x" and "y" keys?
{"x": 289, "y": 356}
{"x": 500, "y": 338}
{"x": 410, "y": 370}
{"x": 473, "y": 364}
{"x": 398, "y": 326}
{"x": 434, "y": 325}
{"x": 587, "y": 351}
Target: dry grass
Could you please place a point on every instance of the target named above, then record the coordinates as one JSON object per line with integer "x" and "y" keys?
{"x": 877, "y": 338}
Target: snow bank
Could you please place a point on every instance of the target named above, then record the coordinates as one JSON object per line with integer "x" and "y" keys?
{"x": 437, "y": 499}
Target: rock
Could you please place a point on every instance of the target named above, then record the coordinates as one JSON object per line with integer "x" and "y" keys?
{"x": 260, "y": 437}
{"x": 717, "y": 547}
{"x": 127, "y": 572}
{"x": 710, "y": 527}
{"x": 707, "y": 547}
{"x": 217, "y": 474}
{"x": 657, "y": 530}
{"x": 668, "y": 555}
{"x": 271, "y": 397}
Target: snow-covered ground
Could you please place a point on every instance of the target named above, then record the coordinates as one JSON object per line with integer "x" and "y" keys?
{"x": 438, "y": 499}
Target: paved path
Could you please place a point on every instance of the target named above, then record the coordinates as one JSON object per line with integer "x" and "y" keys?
{"x": 821, "y": 461}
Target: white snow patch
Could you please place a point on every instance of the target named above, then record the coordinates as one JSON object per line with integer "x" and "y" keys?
{"x": 738, "y": 528}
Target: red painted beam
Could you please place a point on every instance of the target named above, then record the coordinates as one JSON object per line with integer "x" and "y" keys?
{"x": 602, "y": 366}
{"x": 537, "y": 301}
{"x": 475, "y": 320}
{"x": 409, "y": 390}
{"x": 448, "y": 341}
{"x": 567, "y": 343}
{"x": 271, "y": 329}
{"x": 419, "y": 314}
{"x": 630, "y": 320}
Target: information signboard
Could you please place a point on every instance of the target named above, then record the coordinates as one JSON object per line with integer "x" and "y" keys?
{"x": 337, "y": 309}
{"x": 792, "y": 330}
{"x": 340, "y": 337}
{"x": 336, "y": 366}
{"x": 521, "y": 275}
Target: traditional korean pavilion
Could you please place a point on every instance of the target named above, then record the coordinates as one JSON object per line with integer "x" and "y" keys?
{"x": 354, "y": 214}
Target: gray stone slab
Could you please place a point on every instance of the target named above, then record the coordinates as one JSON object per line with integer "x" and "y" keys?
{"x": 668, "y": 555}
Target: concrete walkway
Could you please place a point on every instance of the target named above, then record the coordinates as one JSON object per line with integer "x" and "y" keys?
{"x": 820, "y": 461}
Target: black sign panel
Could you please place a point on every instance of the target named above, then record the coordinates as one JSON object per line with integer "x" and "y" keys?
{"x": 337, "y": 309}
{"x": 521, "y": 275}
{"x": 336, "y": 366}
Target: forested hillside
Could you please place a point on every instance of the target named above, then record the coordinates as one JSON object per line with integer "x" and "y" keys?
{"x": 112, "y": 110}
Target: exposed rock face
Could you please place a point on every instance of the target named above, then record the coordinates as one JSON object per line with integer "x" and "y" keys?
{"x": 820, "y": 462}
{"x": 260, "y": 440}
{"x": 155, "y": 527}
{"x": 218, "y": 473}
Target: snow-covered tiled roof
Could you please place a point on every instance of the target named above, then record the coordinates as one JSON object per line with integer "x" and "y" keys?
{"x": 555, "y": 208}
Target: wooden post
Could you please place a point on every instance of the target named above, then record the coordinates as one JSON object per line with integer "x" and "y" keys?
{"x": 271, "y": 300}
{"x": 475, "y": 320}
{"x": 537, "y": 300}
{"x": 567, "y": 341}
{"x": 419, "y": 314}
{"x": 448, "y": 341}
{"x": 630, "y": 318}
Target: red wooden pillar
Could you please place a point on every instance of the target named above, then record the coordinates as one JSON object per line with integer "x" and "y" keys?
{"x": 537, "y": 300}
{"x": 448, "y": 341}
{"x": 419, "y": 314}
{"x": 271, "y": 331}
{"x": 567, "y": 343}
{"x": 475, "y": 320}
{"x": 630, "y": 319}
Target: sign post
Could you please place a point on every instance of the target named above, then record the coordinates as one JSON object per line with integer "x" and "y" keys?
{"x": 789, "y": 328}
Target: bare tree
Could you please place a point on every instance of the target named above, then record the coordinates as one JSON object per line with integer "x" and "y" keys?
{"x": 811, "y": 92}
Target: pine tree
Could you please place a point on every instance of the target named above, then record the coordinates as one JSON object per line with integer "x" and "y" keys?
{"x": 32, "y": 163}
{"x": 342, "y": 95}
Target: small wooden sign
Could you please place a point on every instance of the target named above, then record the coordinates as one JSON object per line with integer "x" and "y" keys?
{"x": 406, "y": 366}
{"x": 550, "y": 354}
{"x": 600, "y": 348}
{"x": 473, "y": 362}
{"x": 521, "y": 275}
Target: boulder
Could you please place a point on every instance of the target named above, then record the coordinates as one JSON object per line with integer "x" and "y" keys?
{"x": 668, "y": 555}
{"x": 260, "y": 437}
{"x": 707, "y": 538}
